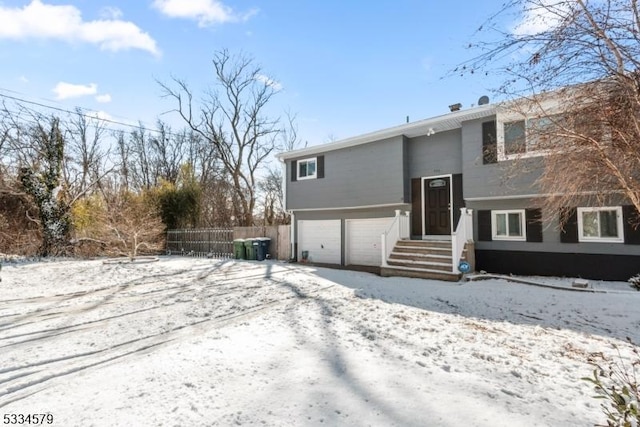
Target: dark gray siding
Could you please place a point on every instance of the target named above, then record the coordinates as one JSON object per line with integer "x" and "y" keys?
{"x": 498, "y": 179}
{"x": 512, "y": 180}
{"x": 437, "y": 154}
{"x": 364, "y": 175}
{"x": 353, "y": 213}
{"x": 550, "y": 234}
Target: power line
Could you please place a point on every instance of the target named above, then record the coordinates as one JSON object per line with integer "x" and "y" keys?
{"x": 79, "y": 112}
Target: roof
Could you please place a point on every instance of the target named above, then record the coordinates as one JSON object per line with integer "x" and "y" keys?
{"x": 428, "y": 126}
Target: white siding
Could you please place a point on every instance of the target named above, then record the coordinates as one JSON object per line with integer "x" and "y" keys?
{"x": 363, "y": 240}
{"x": 322, "y": 238}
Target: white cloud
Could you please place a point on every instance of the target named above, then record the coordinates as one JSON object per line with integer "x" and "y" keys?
{"x": 24, "y": 79}
{"x": 110, "y": 13}
{"x": 206, "y": 12}
{"x": 64, "y": 22}
{"x": 269, "y": 81}
{"x": 103, "y": 98}
{"x": 68, "y": 90}
{"x": 541, "y": 17}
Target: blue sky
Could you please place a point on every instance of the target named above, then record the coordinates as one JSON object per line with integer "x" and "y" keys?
{"x": 345, "y": 67}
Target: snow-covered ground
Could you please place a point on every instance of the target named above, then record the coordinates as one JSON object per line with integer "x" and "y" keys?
{"x": 198, "y": 342}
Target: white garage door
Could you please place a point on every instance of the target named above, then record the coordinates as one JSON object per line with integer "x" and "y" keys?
{"x": 322, "y": 238}
{"x": 363, "y": 240}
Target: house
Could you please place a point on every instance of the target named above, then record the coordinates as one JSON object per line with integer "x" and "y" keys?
{"x": 417, "y": 199}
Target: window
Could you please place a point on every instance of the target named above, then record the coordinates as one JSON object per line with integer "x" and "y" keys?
{"x": 543, "y": 131}
{"x": 307, "y": 169}
{"x": 528, "y": 137}
{"x": 515, "y": 141}
{"x": 311, "y": 168}
{"x": 508, "y": 225}
{"x": 600, "y": 224}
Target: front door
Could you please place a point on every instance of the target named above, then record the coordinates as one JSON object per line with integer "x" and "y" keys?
{"x": 437, "y": 206}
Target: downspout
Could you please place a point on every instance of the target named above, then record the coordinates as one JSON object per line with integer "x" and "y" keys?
{"x": 293, "y": 235}
{"x": 288, "y": 212}
{"x": 284, "y": 184}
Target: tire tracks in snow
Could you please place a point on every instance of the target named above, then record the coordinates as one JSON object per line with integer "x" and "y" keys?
{"x": 20, "y": 381}
{"x": 165, "y": 292}
{"x": 54, "y": 332}
{"x": 53, "y": 312}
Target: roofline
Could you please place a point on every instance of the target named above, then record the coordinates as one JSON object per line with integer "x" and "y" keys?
{"x": 414, "y": 129}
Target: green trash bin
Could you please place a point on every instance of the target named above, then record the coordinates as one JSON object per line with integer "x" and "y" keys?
{"x": 238, "y": 249}
{"x": 248, "y": 247}
{"x": 262, "y": 246}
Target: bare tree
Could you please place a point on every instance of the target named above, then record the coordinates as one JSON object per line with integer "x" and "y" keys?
{"x": 168, "y": 152}
{"x": 576, "y": 62}
{"x": 152, "y": 155}
{"x": 86, "y": 151}
{"x": 87, "y": 159}
{"x": 123, "y": 153}
{"x": 131, "y": 223}
{"x": 233, "y": 119}
{"x": 270, "y": 187}
{"x": 289, "y": 133}
{"x": 46, "y": 167}
{"x": 140, "y": 166}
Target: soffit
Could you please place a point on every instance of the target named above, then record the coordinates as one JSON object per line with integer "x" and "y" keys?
{"x": 437, "y": 124}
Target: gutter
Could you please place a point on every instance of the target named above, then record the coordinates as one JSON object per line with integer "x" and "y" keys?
{"x": 423, "y": 127}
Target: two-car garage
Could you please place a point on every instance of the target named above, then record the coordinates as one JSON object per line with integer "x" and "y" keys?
{"x": 323, "y": 242}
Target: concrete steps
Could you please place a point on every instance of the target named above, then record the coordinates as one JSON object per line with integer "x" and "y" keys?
{"x": 425, "y": 259}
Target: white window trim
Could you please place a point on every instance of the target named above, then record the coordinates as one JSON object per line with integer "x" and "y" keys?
{"x": 523, "y": 223}
{"x": 502, "y": 156}
{"x": 619, "y": 223}
{"x": 315, "y": 173}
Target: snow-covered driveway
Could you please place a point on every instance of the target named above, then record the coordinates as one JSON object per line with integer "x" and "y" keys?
{"x": 185, "y": 342}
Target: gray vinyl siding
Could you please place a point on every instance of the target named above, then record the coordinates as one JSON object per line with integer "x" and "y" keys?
{"x": 363, "y": 175}
{"x": 382, "y": 212}
{"x": 498, "y": 179}
{"x": 406, "y": 155}
{"x": 550, "y": 234}
{"x": 436, "y": 154}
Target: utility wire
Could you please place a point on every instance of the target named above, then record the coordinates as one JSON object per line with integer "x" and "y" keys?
{"x": 79, "y": 112}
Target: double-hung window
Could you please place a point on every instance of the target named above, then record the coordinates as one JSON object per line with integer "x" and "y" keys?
{"x": 603, "y": 224}
{"x": 528, "y": 137}
{"x": 508, "y": 225}
{"x": 307, "y": 168}
{"x": 515, "y": 140}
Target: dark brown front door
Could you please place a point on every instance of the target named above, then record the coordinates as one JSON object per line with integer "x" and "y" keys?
{"x": 437, "y": 205}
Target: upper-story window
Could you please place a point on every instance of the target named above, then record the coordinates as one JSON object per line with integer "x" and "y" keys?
{"x": 307, "y": 168}
{"x": 527, "y": 137}
{"x": 310, "y": 168}
{"x": 514, "y": 137}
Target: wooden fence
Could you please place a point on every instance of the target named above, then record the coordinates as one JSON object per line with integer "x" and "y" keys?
{"x": 218, "y": 242}
{"x": 280, "y": 235}
{"x": 213, "y": 242}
